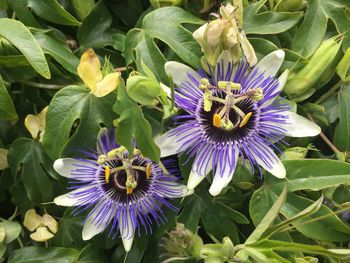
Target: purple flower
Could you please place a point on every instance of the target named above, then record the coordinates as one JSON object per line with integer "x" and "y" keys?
{"x": 126, "y": 193}
{"x": 234, "y": 111}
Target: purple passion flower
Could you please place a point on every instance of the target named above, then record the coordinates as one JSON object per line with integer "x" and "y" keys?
{"x": 234, "y": 111}
{"x": 126, "y": 193}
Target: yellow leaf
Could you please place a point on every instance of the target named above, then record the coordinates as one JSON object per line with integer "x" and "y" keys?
{"x": 32, "y": 220}
{"x": 89, "y": 69}
{"x": 107, "y": 85}
{"x": 50, "y": 222}
{"x": 41, "y": 234}
{"x": 33, "y": 125}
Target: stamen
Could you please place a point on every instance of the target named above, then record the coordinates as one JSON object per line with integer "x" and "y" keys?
{"x": 207, "y": 100}
{"x": 204, "y": 83}
{"x": 217, "y": 120}
{"x": 245, "y": 119}
{"x": 102, "y": 159}
{"x": 148, "y": 170}
{"x": 228, "y": 84}
{"x": 258, "y": 94}
{"x": 107, "y": 173}
{"x": 129, "y": 190}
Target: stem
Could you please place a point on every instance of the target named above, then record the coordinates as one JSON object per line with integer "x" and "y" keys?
{"x": 324, "y": 138}
{"x": 329, "y": 93}
{"x": 42, "y": 86}
{"x": 20, "y": 242}
{"x": 14, "y": 214}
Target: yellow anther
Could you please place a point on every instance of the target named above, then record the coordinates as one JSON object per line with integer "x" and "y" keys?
{"x": 129, "y": 190}
{"x": 207, "y": 101}
{"x": 148, "y": 170}
{"x": 102, "y": 159}
{"x": 107, "y": 173}
{"x": 217, "y": 120}
{"x": 204, "y": 83}
{"x": 228, "y": 84}
{"x": 245, "y": 119}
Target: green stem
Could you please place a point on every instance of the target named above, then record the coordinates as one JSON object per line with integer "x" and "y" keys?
{"x": 325, "y": 139}
{"x": 42, "y": 85}
{"x": 329, "y": 93}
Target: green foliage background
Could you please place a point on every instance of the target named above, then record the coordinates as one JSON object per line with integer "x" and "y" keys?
{"x": 41, "y": 42}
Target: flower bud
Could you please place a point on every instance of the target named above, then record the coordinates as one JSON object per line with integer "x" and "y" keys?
{"x": 306, "y": 260}
{"x": 181, "y": 242}
{"x": 290, "y": 5}
{"x": 223, "y": 34}
{"x": 302, "y": 84}
{"x": 142, "y": 89}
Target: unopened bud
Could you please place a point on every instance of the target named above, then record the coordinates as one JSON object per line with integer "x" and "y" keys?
{"x": 142, "y": 89}
{"x": 302, "y": 84}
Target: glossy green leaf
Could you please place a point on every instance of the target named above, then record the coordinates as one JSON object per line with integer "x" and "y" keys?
{"x": 311, "y": 32}
{"x": 52, "y": 11}
{"x": 73, "y": 120}
{"x": 342, "y": 132}
{"x": 7, "y": 109}
{"x": 133, "y": 125}
{"x": 82, "y": 7}
{"x": 140, "y": 43}
{"x": 59, "y": 51}
{"x": 19, "y": 36}
{"x": 44, "y": 255}
{"x": 23, "y": 13}
{"x": 268, "y": 22}
{"x": 268, "y": 218}
{"x": 94, "y": 31}
{"x": 29, "y": 161}
{"x": 69, "y": 232}
{"x": 91, "y": 254}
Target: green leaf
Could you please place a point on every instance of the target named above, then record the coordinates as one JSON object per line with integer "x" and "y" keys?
{"x": 59, "y": 51}
{"x": 268, "y": 22}
{"x": 311, "y": 174}
{"x": 52, "y": 11}
{"x": 82, "y": 7}
{"x": 28, "y": 158}
{"x": 342, "y": 131}
{"x": 133, "y": 125}
{"x": 23, "y": 13}
{"x": 93, "y": 32}
{"x": 268, "y": 218}
{"x": 7, "y": 109}
{"x": 74, "y": 119}
{"x": 311, "y": 32}
{"x": 140, "y": 43}
{"x": 44, "y": 255}
{"x": 91, "y": 254}
{"x": 19, "y": 36}
{"x": 12, "y": 230}
{"x": 14, "y": 61}
{"x": 69, "y": 232}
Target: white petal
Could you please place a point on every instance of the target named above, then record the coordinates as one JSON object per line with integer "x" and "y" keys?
{"x": 220, "y": 181}
{"x": 175, "y": 190}
{"x": 95, "y": 225}
{"x": 70, "y": 199}
{"x": 127, "y": 230}
{"x": 198, "y": 176}
{"x": 276, "y": 166}
{"x": 179, "y": 72}
{"x": 271, "y": 63}
{"x": 65, "y": 166}
{"x": 281, "y": 83}
{"x": 167, "y": 144}
{"x": 299, "y": 126}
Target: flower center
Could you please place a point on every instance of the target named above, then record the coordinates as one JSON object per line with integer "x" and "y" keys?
{"x": 125, "y": 174}
{"x": 228, "y": 112}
